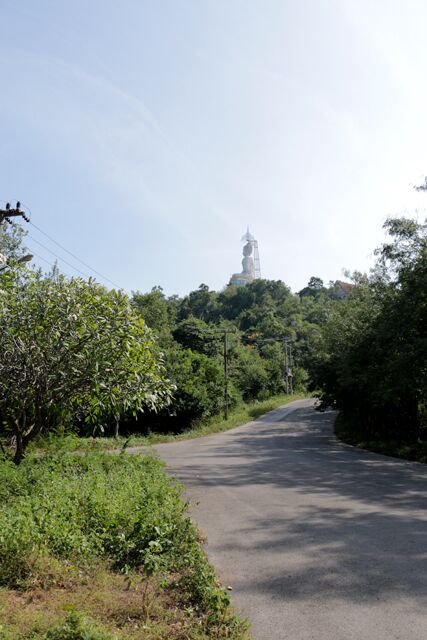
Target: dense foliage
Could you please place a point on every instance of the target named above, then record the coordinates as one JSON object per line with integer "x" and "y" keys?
{"x": 74, "y": 355}
{"x": 373, "y": 360}
{"x": 85, "y": 506}
{"x": 12, "y": 238}
{"x": 59, "y": 513}
{"x": 262, "y": 320}
{"x": 72, "y": 352}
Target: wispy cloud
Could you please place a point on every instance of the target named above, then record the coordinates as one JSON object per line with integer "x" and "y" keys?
{"x": 115, "y": 135}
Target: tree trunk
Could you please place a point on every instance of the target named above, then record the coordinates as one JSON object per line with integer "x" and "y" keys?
{"x": 116, "y": 429}
{"x": 23, "y": 437}
{"x": 19, "y": 447}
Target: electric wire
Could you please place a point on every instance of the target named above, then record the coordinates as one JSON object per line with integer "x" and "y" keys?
{"x": 58, "y": 257}
{"x": 74, "y": 256}
{"x": 98, "y": 273}
{"x": 50, "y": 264}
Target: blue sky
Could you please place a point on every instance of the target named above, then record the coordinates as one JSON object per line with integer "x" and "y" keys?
{"x": 146, "y": 135}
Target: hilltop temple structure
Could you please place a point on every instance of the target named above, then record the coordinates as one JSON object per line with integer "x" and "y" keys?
{"x": 250, "y": 263}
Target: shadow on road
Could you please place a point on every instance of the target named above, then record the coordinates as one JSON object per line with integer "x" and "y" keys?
{"x": 302, "y": 453}
{"x": 336, "y": 519}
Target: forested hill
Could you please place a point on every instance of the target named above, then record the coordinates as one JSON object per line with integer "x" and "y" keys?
{"x": 80, "y": 357}
{"x": 267, "y": 327}
{"x": 362, "y": 347}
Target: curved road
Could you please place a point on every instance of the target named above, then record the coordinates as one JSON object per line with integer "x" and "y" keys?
{"x": 318, "y": 540}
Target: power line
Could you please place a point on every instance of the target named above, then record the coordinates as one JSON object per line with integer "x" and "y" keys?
{"x": 44, "y": 259}
{"x": 58, "y": 257}
{"x": 27, "y": 208}
{"x": 73, "y": 256}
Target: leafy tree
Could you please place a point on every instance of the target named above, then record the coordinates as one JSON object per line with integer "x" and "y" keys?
{"x": 158, "y": 313}
{"x": 199, "y": 390}
{"x": 249, "y": 373}
{"x": 12, "y": 241}
{"x": 314, "y": 286}
{"x": 70, "y": 350}
{"x": 152, "y": 307}
{"x": 199, "y": 382}
{"x": 199, "y": 336}
{"x": 374, "y": 360}
{"x": 201, "y": 304}
{"x": 315, "y": 283}
{"x": 273, "y": 358}
{"x": 260, "y": 294}
{"x": 408, "y": 245}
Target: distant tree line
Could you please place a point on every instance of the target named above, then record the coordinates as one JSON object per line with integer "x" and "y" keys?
{"x": 261, "y": 319}
{"x": 74, "y": 355}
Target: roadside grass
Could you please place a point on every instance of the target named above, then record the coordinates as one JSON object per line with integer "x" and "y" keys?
{"x": 121, "y": 607}
{"x": 97, "y": 546}
{"x": 348, "y": 432}
{"x": 237, "y": 416}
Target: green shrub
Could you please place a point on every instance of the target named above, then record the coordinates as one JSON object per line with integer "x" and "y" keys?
{"x": 76, "y": 627}
{"x": 19, "y": 547}
{"x": 121, "y": 507}
{"x": 66, "y": 511}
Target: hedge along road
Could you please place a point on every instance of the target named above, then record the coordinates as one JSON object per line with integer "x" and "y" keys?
{"x": 317, "y": 539}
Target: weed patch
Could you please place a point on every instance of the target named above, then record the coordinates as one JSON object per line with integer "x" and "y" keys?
{"x": 61, "y": 514}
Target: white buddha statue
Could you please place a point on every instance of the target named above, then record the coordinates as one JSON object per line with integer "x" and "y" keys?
{"x": 248, "y": 273}
{"x": 248, "y": 261}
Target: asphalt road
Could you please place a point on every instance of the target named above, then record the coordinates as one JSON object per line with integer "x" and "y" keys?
{"x": 318, "y": 540}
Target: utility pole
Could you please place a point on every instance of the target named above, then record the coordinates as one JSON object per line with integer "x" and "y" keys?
{"x": 8, "y": 212}
{"x": 225, "y": 374}
{"x": 289, "y": 387}
{"x": 224, "y": 333}
{"x": 5, "y": 216}
{"x": 286, "y": 368}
